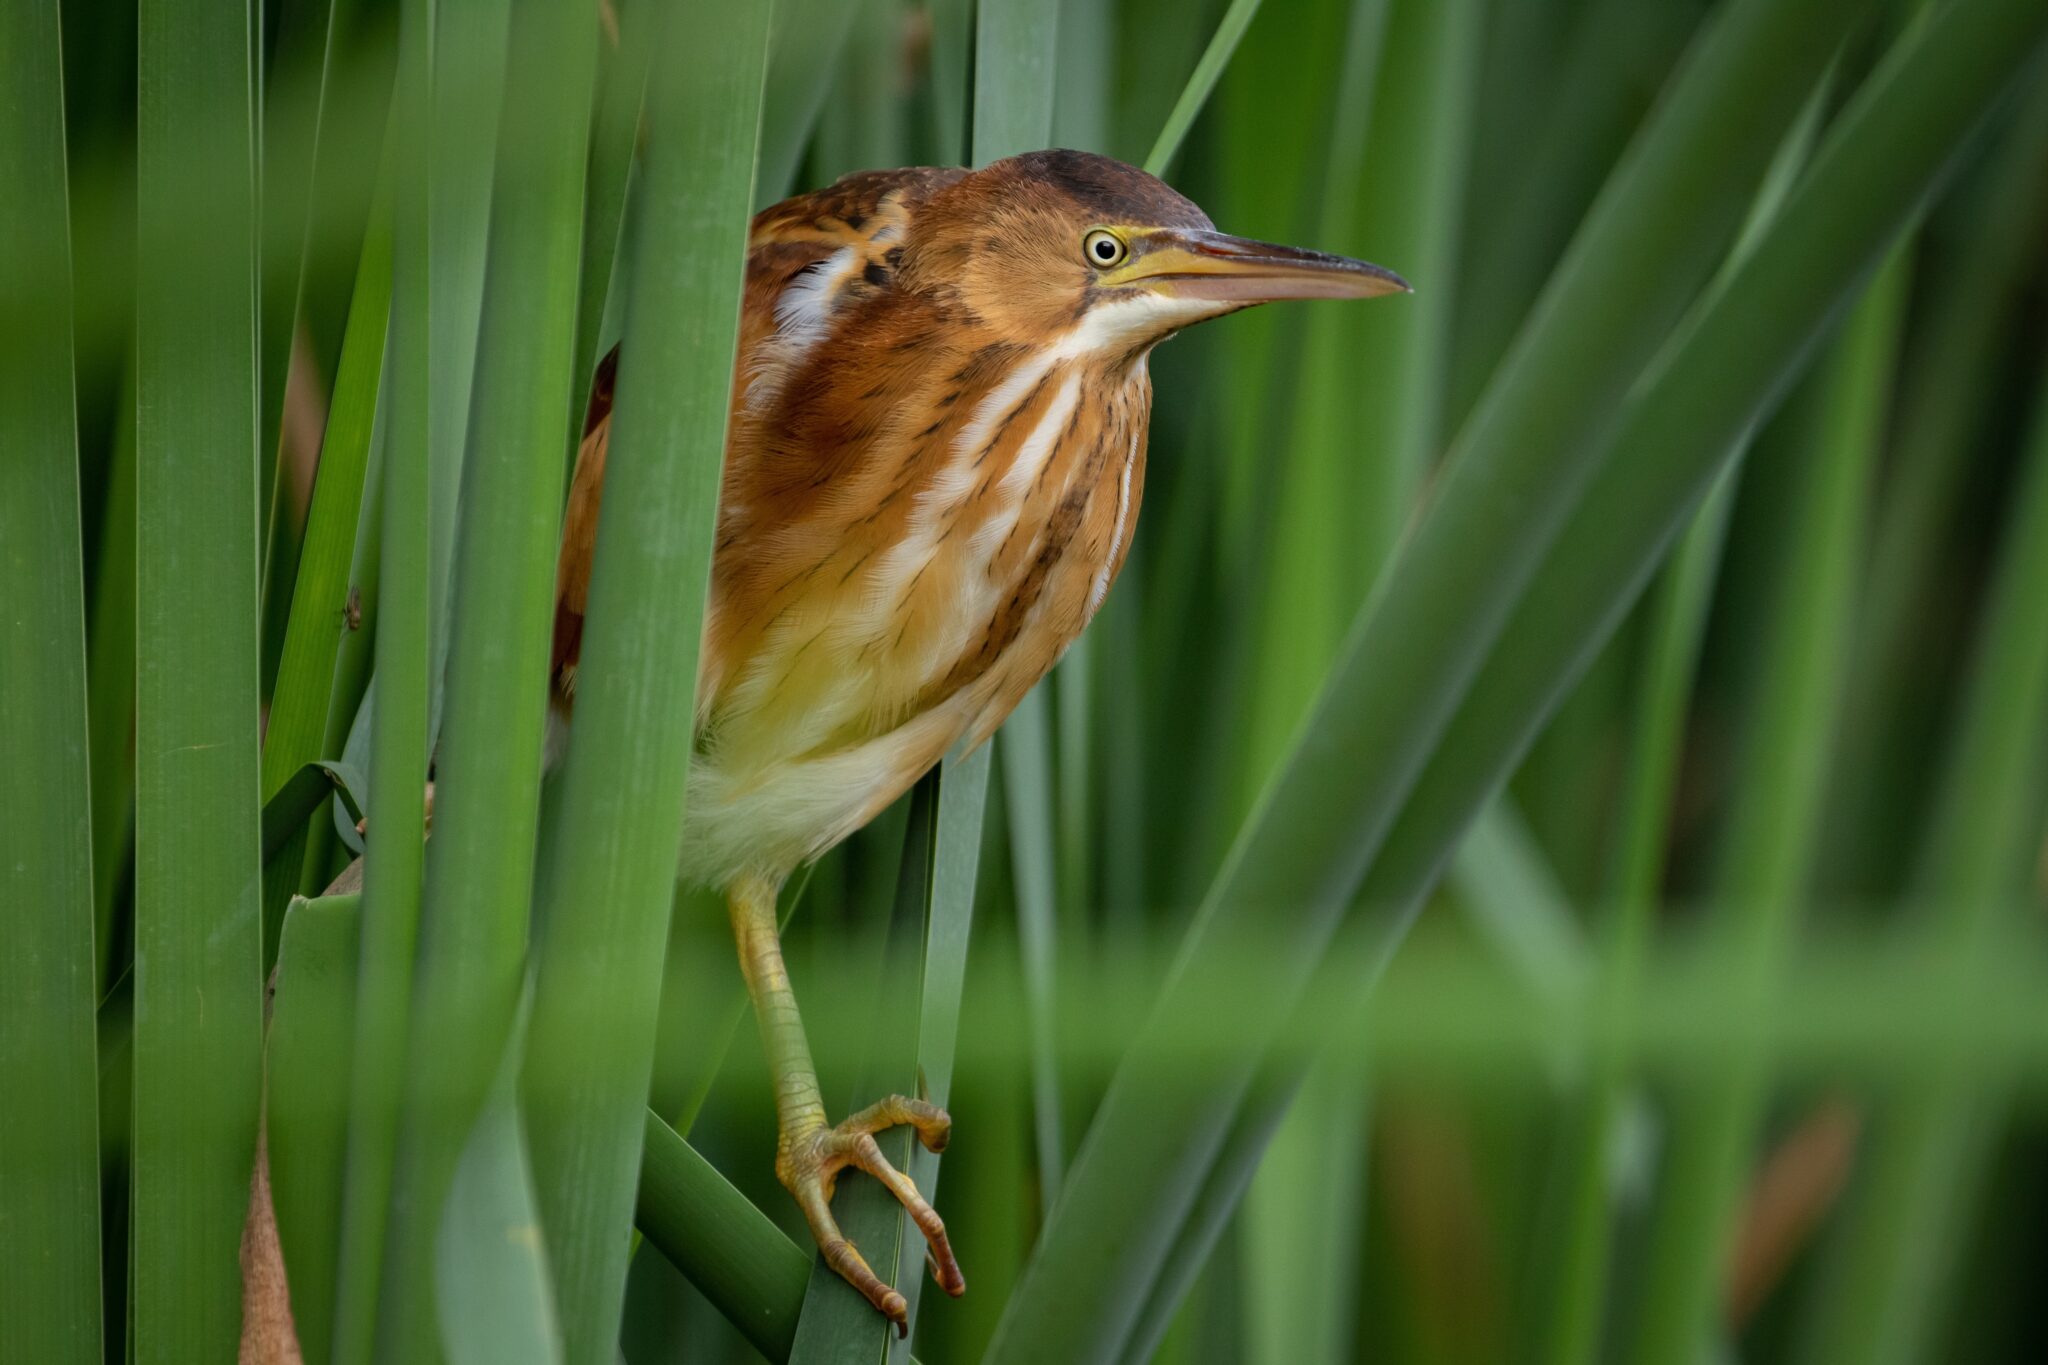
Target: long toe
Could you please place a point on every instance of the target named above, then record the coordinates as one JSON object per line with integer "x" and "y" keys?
{"x": 815, "y": 1199}
{"x": 934, "y": 1125}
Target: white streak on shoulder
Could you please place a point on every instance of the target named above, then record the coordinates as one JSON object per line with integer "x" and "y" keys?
{"x": 803, "y": 318}
{"x": 804, "y": 311}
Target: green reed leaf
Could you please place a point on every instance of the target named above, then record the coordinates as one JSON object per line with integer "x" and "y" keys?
{"x": 473, "y": 926}
{"x": 604, "y": 910}
{"x": 198, "y": 929}
{"x": 49, "y": 973}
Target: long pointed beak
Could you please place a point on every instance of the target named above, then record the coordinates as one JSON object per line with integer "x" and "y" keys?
{"x": 1193, "y": 264}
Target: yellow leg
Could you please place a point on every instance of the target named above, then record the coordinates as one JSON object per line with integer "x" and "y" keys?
{"x": 809, "y": 1153}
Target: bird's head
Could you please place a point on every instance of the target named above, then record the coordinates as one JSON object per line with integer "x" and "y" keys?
{"x": 1070, "y": 244}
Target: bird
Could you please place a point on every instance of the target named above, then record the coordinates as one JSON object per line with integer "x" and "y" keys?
{"x": 934, "y": 459}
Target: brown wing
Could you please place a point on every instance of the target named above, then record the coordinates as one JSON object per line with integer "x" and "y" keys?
{"x": 868, "y": 211}
{"x": 579, "y": 529}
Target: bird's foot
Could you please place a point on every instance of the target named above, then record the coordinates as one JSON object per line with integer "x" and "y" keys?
{"x": 809, "y": 1164}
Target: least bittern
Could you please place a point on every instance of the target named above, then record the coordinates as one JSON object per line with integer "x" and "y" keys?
{"x": 934, "y": 459}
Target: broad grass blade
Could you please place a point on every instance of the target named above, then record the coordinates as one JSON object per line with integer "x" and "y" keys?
{"x": 470, "y": 50}
{"x": 1028, "y": 802}
{"x": 949, "y": 917}
{"x": 494, "y": 1294}
{"x": 604, "y": 912}
{"x": 1013, "y": 76}
{"x": 400, "y": 720}
{"x": 479, "y": 867}
{"x": 198, "y": 930}
{"x": 49, "y": 973}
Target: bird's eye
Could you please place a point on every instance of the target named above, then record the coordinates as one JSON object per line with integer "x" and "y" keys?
{"x": 1103, "y": 248}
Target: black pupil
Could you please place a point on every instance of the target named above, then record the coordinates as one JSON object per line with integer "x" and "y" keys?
{"x": 1104, "y": 248}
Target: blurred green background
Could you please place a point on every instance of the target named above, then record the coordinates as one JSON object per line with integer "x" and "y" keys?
{"x": 1540, "y": 859}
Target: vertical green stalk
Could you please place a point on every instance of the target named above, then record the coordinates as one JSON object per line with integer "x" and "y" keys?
{"x": 1154, "y": 44}
{"x": 1302, "y": 1224}
{"x": 868, "y": 127}
{"x": 1026, "y": 742}
{"x": 472, "y": 937}
{"x": 1574, "y": 1279}
{"x": 1319, "y": 569}
{"x": 1085, "y": 78}
{"x": 1215, "y": 57}
{"x": 1014, "y": 42}
{"x": 952, "y": 61}
{"x": 394, "y": 854}
{"x": 605, "y": 908}
{"x": 1968, "y": 320}
{"x": 837, "y": 1325}
{"x": 912, "y": 1041}
{"x": 1045, "y": 743}
{"x": 1370, "y": 403}
{"x": 1284, "y": 77}
{"x": 948, "y": 917}
{"x": 198, "y": 931}
{"x": 1894, "y": 1260}
{"x": 354, "y": 655}
{"x": 1771, "y": 844}
{"x": 468, "y": 85}
{"x": 49, "y": 977}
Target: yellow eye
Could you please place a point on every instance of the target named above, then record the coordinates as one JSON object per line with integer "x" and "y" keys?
{"x": 1104, "y": 249}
